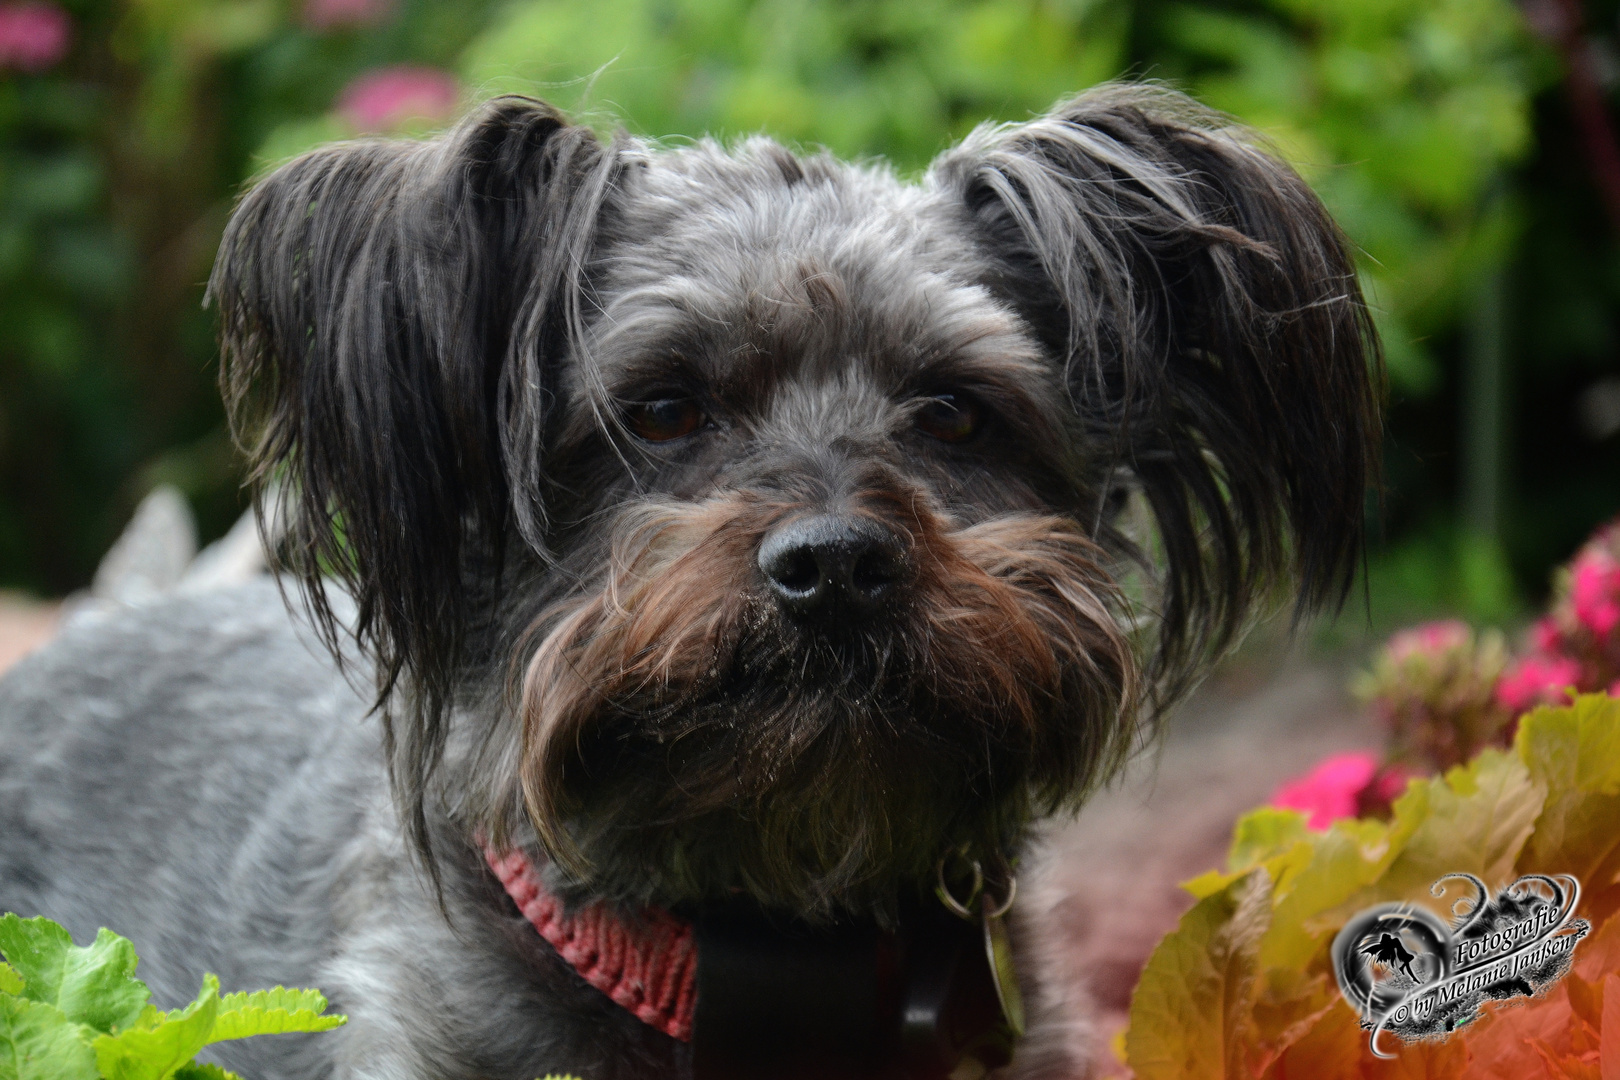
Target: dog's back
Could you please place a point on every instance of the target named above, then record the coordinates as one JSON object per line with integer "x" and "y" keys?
{"x": 197, "y": 775}
{"x": 187, "y": 774}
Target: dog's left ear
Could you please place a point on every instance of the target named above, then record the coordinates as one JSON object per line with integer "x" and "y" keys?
{"x": 1215, "y": 342}
{"x": 393, "y": 318}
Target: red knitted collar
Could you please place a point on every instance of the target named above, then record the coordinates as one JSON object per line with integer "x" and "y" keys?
{"x": 649, "y": 966}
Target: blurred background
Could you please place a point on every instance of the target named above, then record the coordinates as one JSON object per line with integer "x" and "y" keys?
{"x": 1467, "y": 146}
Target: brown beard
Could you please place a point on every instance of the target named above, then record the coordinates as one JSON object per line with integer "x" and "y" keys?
{"x": 697, "y": 742}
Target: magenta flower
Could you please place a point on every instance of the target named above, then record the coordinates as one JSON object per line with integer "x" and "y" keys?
{"x": 388, "y": 98}
{"x": 1594, "y": 591}
{"x": 341, "y": 14}
{"x": 33, "y": 35}
{"x": 1330, "y": 790}
{"x": 1537, "y": 680}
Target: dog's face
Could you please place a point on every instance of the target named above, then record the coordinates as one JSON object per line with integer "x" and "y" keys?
{"x": 761, "y": 509}
{"x": 839, "y": 612}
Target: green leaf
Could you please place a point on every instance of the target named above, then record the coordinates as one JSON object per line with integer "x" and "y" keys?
{"x": 1270, "y": 837}
{"x": 1264, "y": 833}
{"x": 1321, "y": 875}
{"x": 204, "y": 1070}
{"x": 10, "y": 981}
{"x": 157, "y": 1053}
{"x": 39, "y": 1042}
{"x": 1477, "y": 820}
{"x": 271, "y": 1012}
{"x": 1574, "y": 753}
{"x": 94, "y": 986}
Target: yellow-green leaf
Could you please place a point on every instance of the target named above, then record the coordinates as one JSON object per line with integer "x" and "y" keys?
{"x": 39, "y": 1042}
{"x": 1475, "y": 820}
{"x": 156, "y": 1053}
{"x": 10, "y": 981}
{"x": 1270, "y": 837}
{"x": 1479, "y": 817}
{"x": 1574, "y": 753}
{"x": 1264, "y": 834}
{"x": 1199, "y": 985}
{"x": 94, "y": 985}
{"x": 1322, "y": 874}
{"x": 204, "y": 1070}
{"x": 271, "y": 1012}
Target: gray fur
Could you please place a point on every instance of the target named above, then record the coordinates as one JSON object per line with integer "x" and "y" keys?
{"x": 197, "y": 776}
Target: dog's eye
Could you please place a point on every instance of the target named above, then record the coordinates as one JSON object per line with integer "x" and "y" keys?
{"x": 951, "y": 418}
{"x": 665, "y": 419}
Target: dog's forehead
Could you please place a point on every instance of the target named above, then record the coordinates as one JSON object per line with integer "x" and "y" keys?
{"x": 757, "y": 266}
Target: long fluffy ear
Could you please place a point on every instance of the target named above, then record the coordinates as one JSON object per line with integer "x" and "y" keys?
{"x": 1216, "y": 341}
{"x": 392, "y": 313}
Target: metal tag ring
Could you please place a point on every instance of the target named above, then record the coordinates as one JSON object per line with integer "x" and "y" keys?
{"x": 943, "y": 891}
{"x": 1005, "y": 905}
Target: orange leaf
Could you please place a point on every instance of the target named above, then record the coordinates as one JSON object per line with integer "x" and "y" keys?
{"x": 1331, "y": 1050}
{"x": 1609, "y": 1044}
{"x": 1426, "y": 1060}
{"x": 1503, "y": 1040}
{"x": 1599, "y": 954}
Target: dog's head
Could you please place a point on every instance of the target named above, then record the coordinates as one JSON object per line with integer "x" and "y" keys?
{"x": 754, "y": 522}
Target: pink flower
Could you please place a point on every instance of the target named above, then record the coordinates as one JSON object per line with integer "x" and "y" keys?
{"x": 1537, "y": 680}
{"x": 1595, "y": 591}
{"x": 1328, "y": 791}
{"x": 1546, "y": 636}
{"x": 388, "y": 98}
{"x": 1430, "y": 640}
{"x": 33, "y": 35}
{"x": 1614, "y": 688}
{"x": 1388, "y": 785}
{"x": 339, "y": 14}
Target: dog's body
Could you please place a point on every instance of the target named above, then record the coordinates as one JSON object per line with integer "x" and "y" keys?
{"x": 717, "y": 525}
{"x": 197, "y": 776}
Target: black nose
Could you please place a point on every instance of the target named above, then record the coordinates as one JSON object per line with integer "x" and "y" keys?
{"x": 824, "y": 563}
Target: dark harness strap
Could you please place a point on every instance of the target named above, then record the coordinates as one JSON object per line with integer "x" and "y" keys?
{"x": 764, "y": 998}
{"x": 785, "y": 1002}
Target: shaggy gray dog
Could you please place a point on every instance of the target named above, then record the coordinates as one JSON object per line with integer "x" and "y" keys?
{"x": 718, "y": 530}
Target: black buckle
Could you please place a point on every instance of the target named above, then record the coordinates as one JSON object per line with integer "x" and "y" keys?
{"x": 779, "y": 1000}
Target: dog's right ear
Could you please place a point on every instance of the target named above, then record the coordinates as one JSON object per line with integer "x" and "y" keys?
{"x": 392, "y": 315}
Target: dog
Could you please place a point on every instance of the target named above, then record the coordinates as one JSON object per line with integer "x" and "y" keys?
{"x": 699, "y": 537}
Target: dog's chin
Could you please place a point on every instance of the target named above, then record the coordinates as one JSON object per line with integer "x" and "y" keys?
{"x": 837, "y": 813}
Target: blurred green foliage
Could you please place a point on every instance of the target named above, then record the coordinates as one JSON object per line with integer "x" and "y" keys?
{"x": 1402, "y": 114}
{"x": 897, "y": 78}
{"x": 118, "y": 166}
{"x": 1430, "y": 127}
